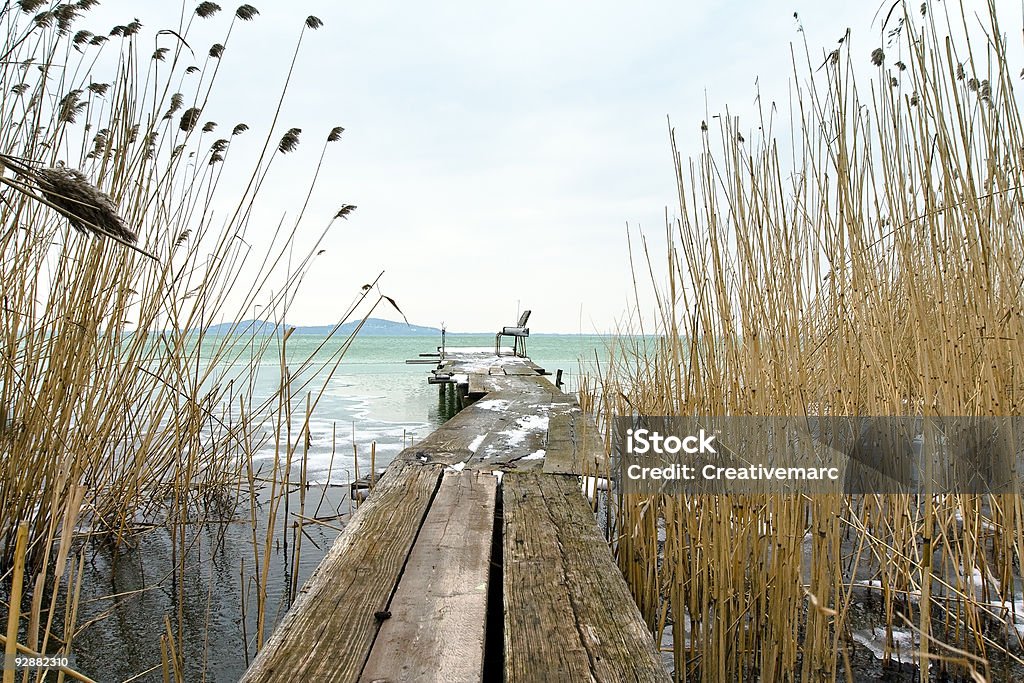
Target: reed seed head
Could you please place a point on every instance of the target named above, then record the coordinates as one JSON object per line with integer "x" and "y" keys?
{"x": 177, "y": 100}
{"x": 246, "y": 12}
{"x": 66, "y": 15}
{"x": 99, "y": 88}
{"x": 216, "y": 50}
{"x": 345, "y": 210}
{"x": 70, "y": 106}
{"x": 189, "y": 119}
{"x": 28, "y": 6}
{"x": 99, "y": 143}
{"x": 877, "y": 56}
{"x": 192, "y": 69}
{"x": 209, "y": 126}
{"x": 98, "y": 40}
{"x": 151, "y": 139}
{"x": 207, "y": 9}
{"x": 313, "y": 22}
{"x": 335, "y": 134}
{"x": 82, "y": 37}
{"x": 87, "y": 208}
{"x": 159, "y": 54}
{"x": 290, "y": 140}
{"x": 239, "y": 129}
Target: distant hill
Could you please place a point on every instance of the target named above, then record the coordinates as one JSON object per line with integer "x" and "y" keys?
{"x": 374, "y": 327}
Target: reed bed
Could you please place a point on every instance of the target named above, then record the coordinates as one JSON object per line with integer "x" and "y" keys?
{"x": 119, "y": 245}
{"x": 863, "y": 258}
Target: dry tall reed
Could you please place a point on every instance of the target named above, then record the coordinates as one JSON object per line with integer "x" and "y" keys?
{"x": 868, "y": 264}
{"x": 109, "y": 414}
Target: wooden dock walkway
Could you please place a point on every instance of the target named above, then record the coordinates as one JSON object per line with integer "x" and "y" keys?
{"x": 476, "y": 557}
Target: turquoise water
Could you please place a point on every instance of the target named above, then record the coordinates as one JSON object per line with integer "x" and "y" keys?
{"x": 375, "y": 397}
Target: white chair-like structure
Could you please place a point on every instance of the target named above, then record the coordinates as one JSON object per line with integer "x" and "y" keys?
{"x": 519, "y": 333}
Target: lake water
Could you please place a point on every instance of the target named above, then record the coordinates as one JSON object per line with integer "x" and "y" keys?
{"x": 373, "y": 397}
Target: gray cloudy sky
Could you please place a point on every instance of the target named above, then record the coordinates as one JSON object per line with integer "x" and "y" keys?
{"x": 496, "y": 151}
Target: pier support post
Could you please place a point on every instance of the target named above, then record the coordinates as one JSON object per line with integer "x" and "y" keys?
{"x": 453, "y": 399}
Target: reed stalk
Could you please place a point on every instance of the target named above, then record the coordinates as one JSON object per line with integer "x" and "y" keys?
{"x": 114, "y": 417}
{"x": 861, "y": 259}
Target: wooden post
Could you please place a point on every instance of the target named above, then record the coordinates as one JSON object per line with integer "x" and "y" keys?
{"x": 558, "y": 379}
{"x": 454, "y": 397}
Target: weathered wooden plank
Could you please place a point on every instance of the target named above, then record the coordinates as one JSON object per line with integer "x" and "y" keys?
{"x": 438, "y": 614}
{"x": 327, "y": 634}
{"x": 574, "y": 445}
{"x": 541, "y": 641}
{"x": 453, "y": 442}
{"x": 528, "y": 383}
{"x": 568, "y": 612}
{"x": 516, "y": 370}
{"x": 478, "y": 384}
{"x": 503, "y": 427}
{"x": 513, "y": 446}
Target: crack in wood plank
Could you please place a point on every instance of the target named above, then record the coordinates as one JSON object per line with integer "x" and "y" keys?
{"x": 328, "y": 632}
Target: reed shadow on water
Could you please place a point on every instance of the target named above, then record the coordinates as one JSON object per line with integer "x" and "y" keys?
{"x": 127, "y": 588}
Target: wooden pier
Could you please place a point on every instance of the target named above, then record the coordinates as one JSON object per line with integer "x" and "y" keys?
{"x": 476, "y": 557}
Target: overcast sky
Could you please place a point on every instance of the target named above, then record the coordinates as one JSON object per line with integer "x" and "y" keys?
{"x": 497, "y": 151}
